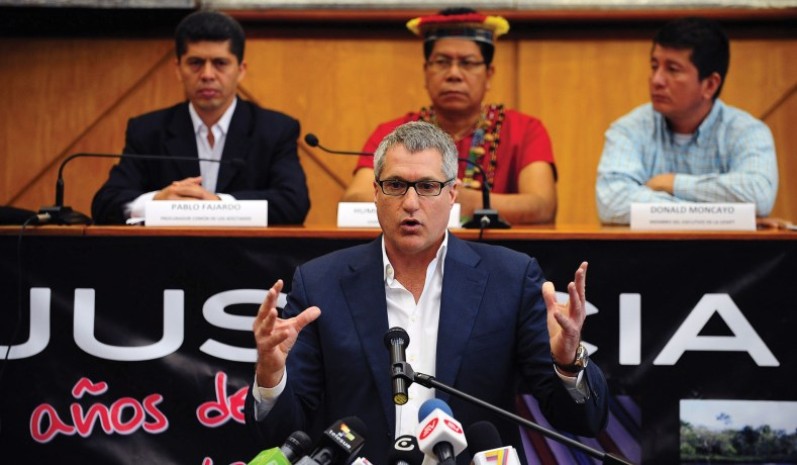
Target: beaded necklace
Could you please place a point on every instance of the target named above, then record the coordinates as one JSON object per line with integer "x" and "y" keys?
{"x": 485, "y": 140}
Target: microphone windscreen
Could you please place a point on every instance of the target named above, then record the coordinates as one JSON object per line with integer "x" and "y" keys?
{"x": 340, "y": 442}
{"x": 396, "y": 333}
{"x": 273, "y": 456}
{"x": 311, "y": 139}
{"x": 357, "y": 425}
{"x": 429, "y": 406}
{"x": 297, "y": 445}
{"x": 482, "y": 436}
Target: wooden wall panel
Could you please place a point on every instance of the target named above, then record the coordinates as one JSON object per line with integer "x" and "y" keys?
{"x": 73, "y": 95}
{"x": 339, "y": 90}
{"x": 577, "y": 88}
{"x": 762, "y": 80}
{"x": 63, "y": 95}
{"x": 782, "y": 124}
{"x": 159, "y": 88}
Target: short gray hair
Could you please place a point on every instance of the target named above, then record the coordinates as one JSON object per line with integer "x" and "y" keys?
{"x": 417, "y": 136}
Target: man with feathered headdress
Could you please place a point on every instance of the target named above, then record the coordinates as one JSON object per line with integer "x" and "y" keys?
{"x": 513, "y": 149}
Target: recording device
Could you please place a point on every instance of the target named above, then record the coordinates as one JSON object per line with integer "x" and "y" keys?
{"x": 396, "y": 341}
{"x": 484, "y": 218}
{"x": 60, "y": 214}
{"x": 405, "y": 452}
{"x": 297, "y": 445}
{"x": 338, "y": 444}
{"x": 486, "y": 447}
{"x": 439, "y": 435}
{"x": 430, "y": 382}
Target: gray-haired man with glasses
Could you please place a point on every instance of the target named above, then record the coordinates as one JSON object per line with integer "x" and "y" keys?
{"x": 481, "y": 318}
{"x": 420, "y": 138}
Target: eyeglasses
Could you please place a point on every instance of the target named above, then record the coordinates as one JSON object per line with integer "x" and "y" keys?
{"x": 398, "y": 187}
{"x": 439, "y": 65}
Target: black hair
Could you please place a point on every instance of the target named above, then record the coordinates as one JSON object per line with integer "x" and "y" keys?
{"x": 212, "y": 26}
{"x": 488, "y": 50}
{"x": 706, "y": 40}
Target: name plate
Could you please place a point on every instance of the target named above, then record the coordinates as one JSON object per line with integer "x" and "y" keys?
{"x": 363, "y": 215}
{"x": 207, "y": 213}
{"x": 693, "y": 216}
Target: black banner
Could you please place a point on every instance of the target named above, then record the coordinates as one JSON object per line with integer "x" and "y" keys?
{"x": 139, "y": 349}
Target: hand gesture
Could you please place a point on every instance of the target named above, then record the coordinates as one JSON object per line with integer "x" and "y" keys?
{"x": 275, "y": 337}
{"x": 565, "y": 320}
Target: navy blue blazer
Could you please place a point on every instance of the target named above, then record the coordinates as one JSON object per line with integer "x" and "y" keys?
{"x": 492, "y": 343}
{"x": 265, "y": 140}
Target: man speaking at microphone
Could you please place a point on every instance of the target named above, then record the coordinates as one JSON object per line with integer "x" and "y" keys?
{"x": 480, "y": 318}
{"x": 254, "y": 148}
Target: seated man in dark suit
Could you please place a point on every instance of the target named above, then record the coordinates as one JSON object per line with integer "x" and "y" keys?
{"x": 481, "y": 318}
{"x": 212, "y": 124}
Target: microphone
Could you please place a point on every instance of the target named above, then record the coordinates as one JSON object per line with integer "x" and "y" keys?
{"x": 312, "y": 140}
{"x": 405, "y": 452}
{"x": 397, "y": 340}
{"x": 338, "y": 444}
{"x": 485, "y": 445}
{"x": 431, "y": 383}
{"x": 484, "y": 218}
{"x": 440, "y": 436}
{"x": 297, "y": 445}
{"x": 61, "y": 214}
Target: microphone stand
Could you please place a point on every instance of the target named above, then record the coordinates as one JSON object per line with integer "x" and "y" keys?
{"x": 485, "y": 217}
{"x": 60, "y": 214}
{"x": 404, "y": 371}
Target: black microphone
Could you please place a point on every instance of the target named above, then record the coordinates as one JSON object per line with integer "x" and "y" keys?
{"x": 405, "y": 451}
{"x": 486, "y": 447}
{"x": 482, "y": 435}
{"x": 396, "y": 341}
{"x": 484, "y": 218}
{"x": 339, "y": 443}
{"x": 312, "y": 141}
{"x": 60, "y": 214}
{"x": 296, "y": 446}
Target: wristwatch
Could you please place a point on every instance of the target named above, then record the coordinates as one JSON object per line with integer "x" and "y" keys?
{"x": 579, "y": 363}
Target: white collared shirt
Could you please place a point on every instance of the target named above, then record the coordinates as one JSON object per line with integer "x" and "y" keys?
{"x": 208, "y": 169}
{"x": 421, "y": 322}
